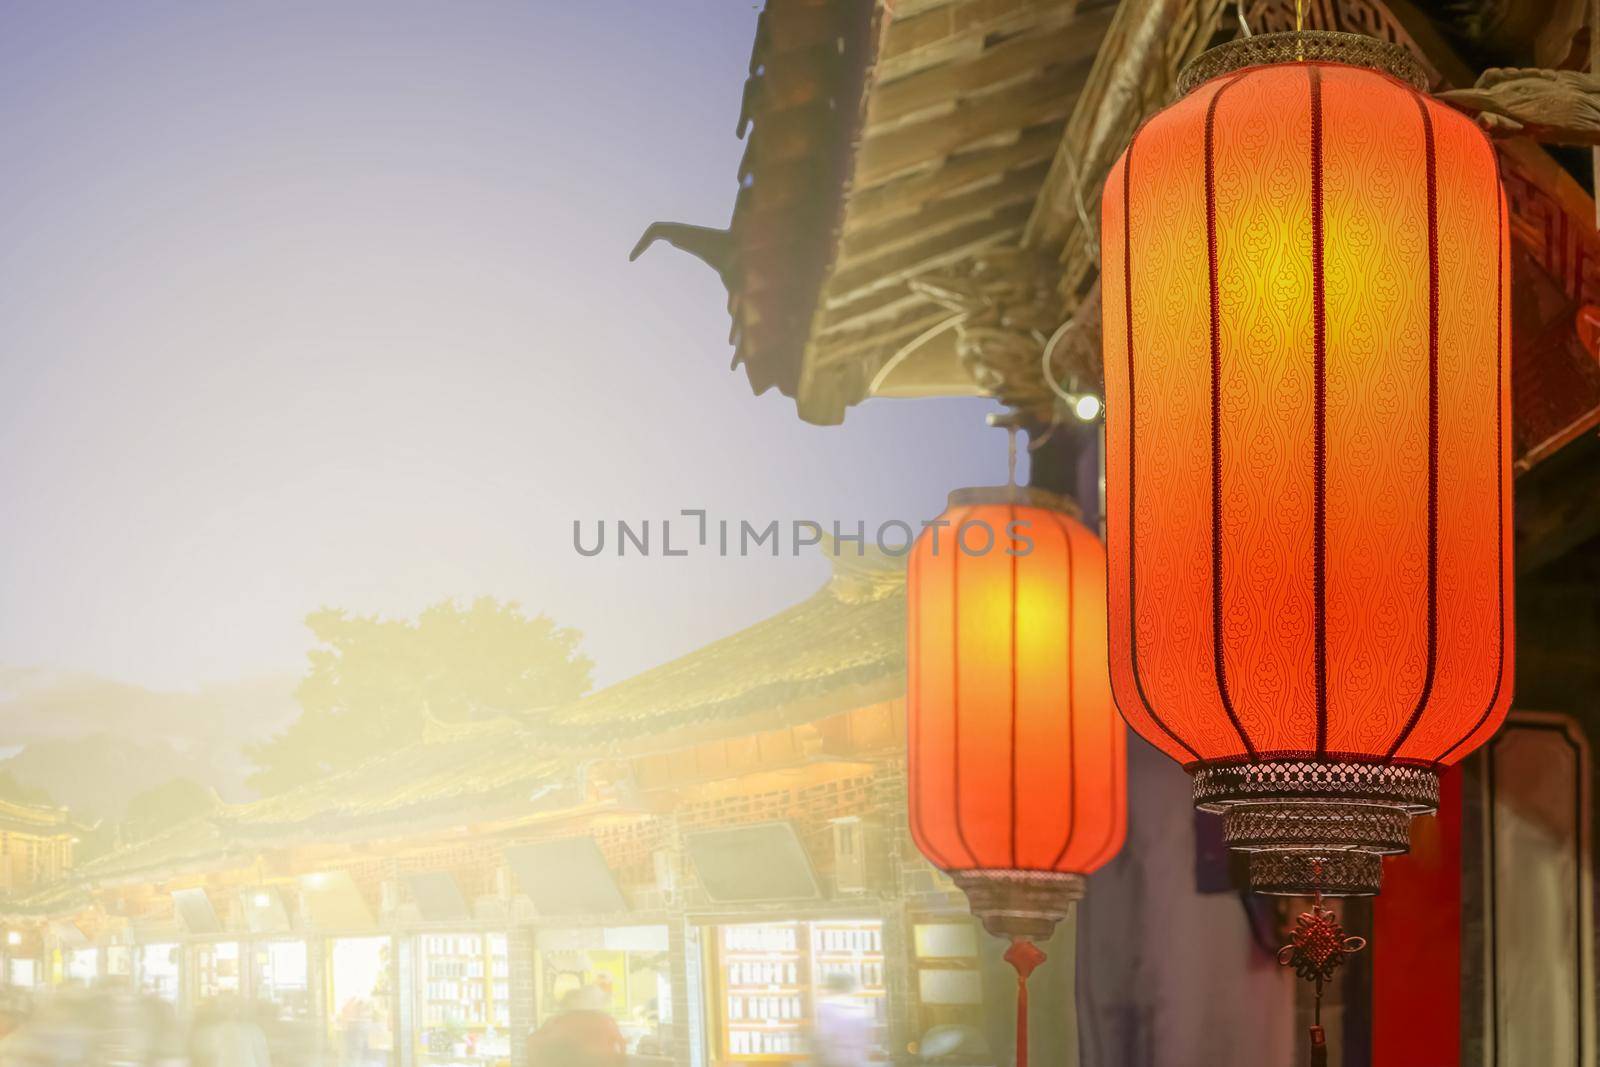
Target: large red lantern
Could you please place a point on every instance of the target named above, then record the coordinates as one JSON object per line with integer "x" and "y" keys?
{"x": 1016, "y": 755}
{"x": 1306, "y": 340}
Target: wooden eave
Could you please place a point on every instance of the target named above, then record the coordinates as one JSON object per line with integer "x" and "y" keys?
{"x": 949, "y": 123}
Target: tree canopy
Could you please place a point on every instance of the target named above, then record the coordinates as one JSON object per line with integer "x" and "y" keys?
{"x": 374, "y": 683}
{"x": 166, "y": 805}
{"x": 20, "y": 792}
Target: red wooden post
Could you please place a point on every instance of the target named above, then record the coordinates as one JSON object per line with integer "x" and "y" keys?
{"x": 1416, "y": 944}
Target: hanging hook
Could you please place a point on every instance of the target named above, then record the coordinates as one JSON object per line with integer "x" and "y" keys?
{"x": 1011, "y": 455}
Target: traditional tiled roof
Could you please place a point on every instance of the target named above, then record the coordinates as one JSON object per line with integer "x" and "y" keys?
{"x": 842, "y": 648}
{"x": 848, "y": 635}
{"x": 801, "y": 106}
{"x": 55, "y": 898}
{"x": 489, "y": 767}
{"x": 38, "y": 819}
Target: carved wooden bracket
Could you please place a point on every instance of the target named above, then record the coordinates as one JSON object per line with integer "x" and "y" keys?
{"x": 1010, "y": 309}
{"x": 1552, "y": 106}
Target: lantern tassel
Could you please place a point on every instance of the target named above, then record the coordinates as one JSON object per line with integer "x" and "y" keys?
{"x": 1318, "y": 948}
{"x": 1024, "y": 956}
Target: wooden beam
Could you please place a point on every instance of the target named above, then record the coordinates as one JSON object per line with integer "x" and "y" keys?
{"x": 862, "y": 242}
{"x": 953, "y": 31}
{"x": 1047, "y": 98}
{"x": 873, "y": 312}
{"x": 1558, "y": 505}
{"x": 942, "y": 87}
{"x": 885, "y": 342}
{"x": 1145, "y": 47}
{"x": 895, "y": 268}
{"x": 906, "y": 195}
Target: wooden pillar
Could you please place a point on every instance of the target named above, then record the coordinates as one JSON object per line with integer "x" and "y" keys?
{"x": 1416, "y": 942}
{"x": 403, "y": 980}
{"x": 889, "y": 820}
{"x": 1068, "y": 462}
{"x": 318, "y": 993}
{"x": 684, "y": 957}
{"x": 524, "y": 982}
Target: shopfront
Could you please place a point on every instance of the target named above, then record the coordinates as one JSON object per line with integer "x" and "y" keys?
{"x": 160, "y": 970}
{"x": 82, "y": 966}
{"x": 119, "y": 962}
{"x": 361, "y": 999}
{"x": 218, "y": 970}
{"x": 463, "y": 992}
{"x": 623, "y": 970}
{"x": 948, "y": 985}
{"x": 280, "y": 975}
{"x": 22, "y": 973}
{"x": 770, "y": 978}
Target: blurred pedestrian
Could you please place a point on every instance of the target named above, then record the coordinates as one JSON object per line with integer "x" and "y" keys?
{"x": 581, "y": 1034}
{"x": 225, "y": 1035}
{"x": 842, "y": 1033}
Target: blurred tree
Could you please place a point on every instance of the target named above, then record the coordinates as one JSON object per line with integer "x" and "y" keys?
{"x": 22, "y": 793}
{"x": 374, "y": 682}
{"x": 166, "y": 805}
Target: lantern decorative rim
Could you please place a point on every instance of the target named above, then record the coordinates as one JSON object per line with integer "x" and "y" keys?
{"x": 1292, "y": 873}
{"x": 1320, "y": 46}
{"x": 1410, "y": 787}
{"x": 1020, "y": 904}
{"x": 1317, "y": 827}
{"x": 1025, "y": 495}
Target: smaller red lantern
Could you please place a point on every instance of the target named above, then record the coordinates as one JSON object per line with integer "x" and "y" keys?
{"x": 1017, "y": 755}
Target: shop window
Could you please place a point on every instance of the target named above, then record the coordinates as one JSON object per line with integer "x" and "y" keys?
{"x": 363, "y": 1001}
{"x": 160, "y": 971}
{"x": 217, "y": 970}
{"x": 281, "y": 979}
{"x": 779, "y": 984}
{"x": 83, "y": 966}
{"x": 1539, "y": 894}
{"x": 463, "y": 999}
{"x": 949, "y": 986}
{"x": 624, "y": 971}
{"x": 24, "y": 974}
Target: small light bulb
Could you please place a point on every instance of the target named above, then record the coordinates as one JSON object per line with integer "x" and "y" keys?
{"x": 263, "y": 901}
{"x": 1087, "y": 407}
{"x": 13, "y": 938}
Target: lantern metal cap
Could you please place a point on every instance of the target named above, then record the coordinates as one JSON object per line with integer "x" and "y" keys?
{"x": 1322, "y": 46}
{"x": 1024, "y": 495}
{"x": 1314, "y": 827}
{"x": 1328, "y": 874}
{"x": 1020, "y": 905}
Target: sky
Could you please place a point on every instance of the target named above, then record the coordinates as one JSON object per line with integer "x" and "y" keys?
{"x": 310, "y": 304}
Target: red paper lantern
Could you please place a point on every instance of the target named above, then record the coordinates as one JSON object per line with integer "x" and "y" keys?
{"x": 1017, "y": 760}
{"x": 1306, "y": 339}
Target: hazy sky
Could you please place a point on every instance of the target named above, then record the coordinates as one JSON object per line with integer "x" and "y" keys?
{"x": 311, "y": 304}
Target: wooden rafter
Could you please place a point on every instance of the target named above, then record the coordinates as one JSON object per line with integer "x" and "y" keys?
{"x": 894, "y": 268}
{"x": 906, "y": 196}
{"x": 938, "y": 88}
{"x": 1045, "y": 98}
